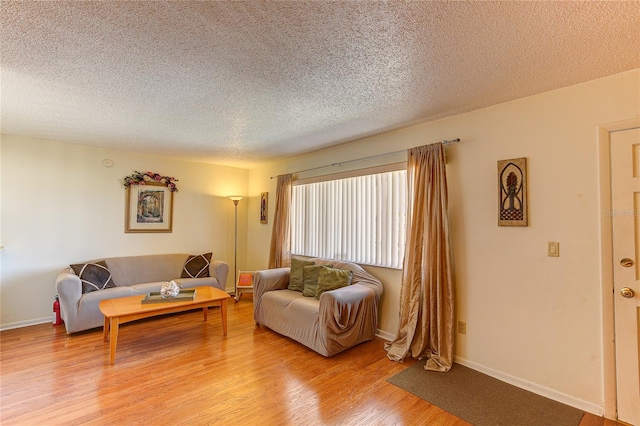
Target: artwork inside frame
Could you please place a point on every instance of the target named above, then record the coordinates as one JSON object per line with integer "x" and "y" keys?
{"x": 512, "y": 192}
{"x": 149, "y": 208}
{"x": 264, "y": 206}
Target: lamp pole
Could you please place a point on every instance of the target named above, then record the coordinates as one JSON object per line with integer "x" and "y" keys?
{"x": 235, "y": 199}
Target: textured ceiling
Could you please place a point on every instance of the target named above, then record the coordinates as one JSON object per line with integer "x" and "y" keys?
{"x": 239, "y": 83}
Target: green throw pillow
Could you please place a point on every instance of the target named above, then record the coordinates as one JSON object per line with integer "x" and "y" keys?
{"x": 332, "y": 279}
{"x": 295, "y": 278}
{"x": 310, "y": 279}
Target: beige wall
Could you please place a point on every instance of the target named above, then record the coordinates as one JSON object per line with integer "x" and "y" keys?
{"x": 60, "y": 206}
{"x": 531, "y": 319}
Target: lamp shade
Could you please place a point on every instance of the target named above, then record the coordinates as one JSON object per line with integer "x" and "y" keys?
{"x": 235, "y": 198}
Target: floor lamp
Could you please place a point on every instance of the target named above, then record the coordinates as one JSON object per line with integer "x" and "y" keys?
{"x": 235, "y": 199}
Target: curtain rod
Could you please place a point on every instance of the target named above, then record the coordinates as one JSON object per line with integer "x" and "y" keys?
{"x": 445, "y": 142}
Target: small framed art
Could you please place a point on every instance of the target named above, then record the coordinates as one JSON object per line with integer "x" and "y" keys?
{"x": 264, "y": 205}
{"x": 512, "y": 192}
{"x": 149, "y": 208}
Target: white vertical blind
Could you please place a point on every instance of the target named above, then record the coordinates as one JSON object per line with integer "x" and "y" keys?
{"x": 357, "y": 219}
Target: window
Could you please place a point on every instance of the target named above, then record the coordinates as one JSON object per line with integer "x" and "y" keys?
{"x": 357, "y": 219}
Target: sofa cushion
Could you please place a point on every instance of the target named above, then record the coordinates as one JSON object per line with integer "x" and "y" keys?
{"x": 129, "y": 270}
{"x": 94, "y": 276}
{"x": 93, "y": 299}
{"x": 310, "y": 279}
{"x": 199, "y": 282}
{"x": 294, "y": 316}
{"x": 332, "y": 279}
{"x": 197, "y": 266}
{"x": 296, "y": 279}
{"x": 184, "y": 283}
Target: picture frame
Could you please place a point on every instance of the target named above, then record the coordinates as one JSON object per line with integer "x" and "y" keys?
{"x": 264, "y": 207}
{"x": 512, "y": 192}
{"x": 149, "y": 208}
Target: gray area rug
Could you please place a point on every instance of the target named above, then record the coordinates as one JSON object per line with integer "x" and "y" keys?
{"x": 482, "y": 400}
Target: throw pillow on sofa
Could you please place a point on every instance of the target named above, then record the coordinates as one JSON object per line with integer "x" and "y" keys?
{"x": 332, "y": 279}
{"x": 296, "y": 282}
{"x": 197, "y": 266}
{"x": 94, "y": 276}
{"x": 310, "y": 279}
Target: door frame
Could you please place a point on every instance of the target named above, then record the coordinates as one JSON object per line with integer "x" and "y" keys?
{"x": 606, "y": 263}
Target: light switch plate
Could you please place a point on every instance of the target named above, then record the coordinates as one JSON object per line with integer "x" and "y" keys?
{"x": 553, "y": 249}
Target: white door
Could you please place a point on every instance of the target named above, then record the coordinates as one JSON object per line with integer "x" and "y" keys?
{"x": 625, "y": 194}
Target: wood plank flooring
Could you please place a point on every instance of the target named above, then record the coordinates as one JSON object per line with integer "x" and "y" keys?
{"x": 180, "y": 370}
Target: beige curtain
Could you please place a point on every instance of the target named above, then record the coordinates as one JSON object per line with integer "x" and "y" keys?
{"x": 280, "y": 252}
{"x": 425, "y": 328}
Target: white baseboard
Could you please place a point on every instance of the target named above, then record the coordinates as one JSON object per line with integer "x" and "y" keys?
{"x": 27, "y": 323}
{"x": 535, "y": 388}
{"x": 385, "y": 335}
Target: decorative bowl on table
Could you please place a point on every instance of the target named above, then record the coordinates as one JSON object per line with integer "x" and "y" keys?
{"x": 170, "y": 290}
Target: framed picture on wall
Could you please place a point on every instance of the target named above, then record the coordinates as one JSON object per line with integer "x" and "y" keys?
{"x": 149, "y": 208}
{"x": 264, "y": 206}
{"x": 512, "y": 192}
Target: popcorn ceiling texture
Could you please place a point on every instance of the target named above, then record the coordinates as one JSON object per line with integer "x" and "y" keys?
{"x": 238, "y": 83}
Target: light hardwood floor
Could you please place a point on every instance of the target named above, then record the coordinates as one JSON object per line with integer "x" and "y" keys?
{"x": 179, "y": 370}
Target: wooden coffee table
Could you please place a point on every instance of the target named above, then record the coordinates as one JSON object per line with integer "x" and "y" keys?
{"x": 126, "y": 309}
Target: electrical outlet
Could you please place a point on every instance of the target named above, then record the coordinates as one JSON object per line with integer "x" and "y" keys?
{"x": 462, "y": 327}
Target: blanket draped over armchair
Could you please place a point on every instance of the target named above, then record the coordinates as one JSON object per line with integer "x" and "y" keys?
{"x": 336, "y": 321}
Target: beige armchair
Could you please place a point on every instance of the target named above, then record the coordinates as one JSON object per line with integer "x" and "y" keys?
{"x": 338, "y": 320}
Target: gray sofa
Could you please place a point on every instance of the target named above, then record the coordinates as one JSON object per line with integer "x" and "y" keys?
{"x": 338, "y": 320}
{"x": 132, "y": 275}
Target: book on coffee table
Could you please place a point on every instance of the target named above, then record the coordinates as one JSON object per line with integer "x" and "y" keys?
{"x": 156, "y": 297}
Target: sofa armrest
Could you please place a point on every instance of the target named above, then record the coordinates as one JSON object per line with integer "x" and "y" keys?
{"x": 69, "y": 291}
{"x": 264, "y": 281}
{"x": 270, "y": 279}
{"x": 219, "y": 270}
{"x": 348, "y": 307}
